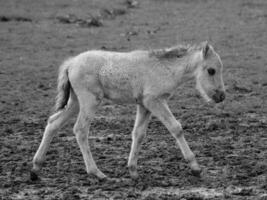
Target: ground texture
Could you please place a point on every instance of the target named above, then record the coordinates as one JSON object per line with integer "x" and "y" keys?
{"x": 230, "y": 141}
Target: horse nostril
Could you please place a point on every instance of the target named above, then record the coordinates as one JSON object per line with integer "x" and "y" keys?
{"x": 219, "y": 96}
{"x": 222, "y": 96}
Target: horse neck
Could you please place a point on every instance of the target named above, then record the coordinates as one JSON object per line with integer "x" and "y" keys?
{"x": 185, "y": 66}
{"x": 192, "y": 61}
{"x": 184, "y": 69}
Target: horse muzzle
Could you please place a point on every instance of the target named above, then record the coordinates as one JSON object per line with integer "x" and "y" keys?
{"x": 218, "y": 96}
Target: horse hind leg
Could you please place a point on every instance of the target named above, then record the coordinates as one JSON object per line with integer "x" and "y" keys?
{"x": 55, "y": 121}
{"x": 88, "y": 105}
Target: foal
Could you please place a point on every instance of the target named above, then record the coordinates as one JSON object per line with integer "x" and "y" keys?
{"x": 146, "y": 78}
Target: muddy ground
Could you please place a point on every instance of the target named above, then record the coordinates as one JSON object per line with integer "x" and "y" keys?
{"x": 230, "y": 141}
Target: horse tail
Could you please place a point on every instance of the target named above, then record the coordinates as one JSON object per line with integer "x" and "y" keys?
{"x": 63, "y": 86}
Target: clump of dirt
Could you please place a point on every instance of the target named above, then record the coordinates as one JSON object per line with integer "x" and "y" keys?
{"x": 97, "y": 20}
{"x": 112, "y": 13}
{"x": 132, "y": 3}
{"x": 4, "y": 18}
{"x": 92, "y": 21}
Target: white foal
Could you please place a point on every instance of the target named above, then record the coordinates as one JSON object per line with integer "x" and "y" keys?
{"x": 146, "y": 78}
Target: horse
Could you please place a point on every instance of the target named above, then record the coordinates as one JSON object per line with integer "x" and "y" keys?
{"x": 147, "y": 78}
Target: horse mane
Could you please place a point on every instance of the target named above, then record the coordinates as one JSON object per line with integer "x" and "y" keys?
{"x": 177, "y": 51}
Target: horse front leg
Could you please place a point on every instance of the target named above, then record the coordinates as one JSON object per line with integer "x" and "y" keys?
{"x": 138, "y": 134}
{"x": 160, "y": 109}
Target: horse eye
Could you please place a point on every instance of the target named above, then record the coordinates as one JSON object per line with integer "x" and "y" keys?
{"x": 211, "y": 71}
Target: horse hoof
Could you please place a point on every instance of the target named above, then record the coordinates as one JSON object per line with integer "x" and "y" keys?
{"x": 134, "y": 174}
{"x": 195, "y": 168}
{"x": 97, "y": 175}
{"x": 101, "y": 177}
{"x": 196, "y": 172}
{"x": 34, "y": 176}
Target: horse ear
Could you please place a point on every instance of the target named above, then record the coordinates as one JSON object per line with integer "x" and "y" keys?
{"x": 205, "y": 49}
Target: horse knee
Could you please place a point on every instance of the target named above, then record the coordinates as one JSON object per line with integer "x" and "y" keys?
{"x": 80, "y": 133}
{"x": 139, "y": 134}
{"x": 81, "y": 137}
{"x": 176, "y": 130}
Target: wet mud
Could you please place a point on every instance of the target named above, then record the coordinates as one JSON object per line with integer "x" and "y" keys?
{"x": 230, "y": 140}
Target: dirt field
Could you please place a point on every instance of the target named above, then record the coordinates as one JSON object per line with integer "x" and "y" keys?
{"x": 230, "y": 141}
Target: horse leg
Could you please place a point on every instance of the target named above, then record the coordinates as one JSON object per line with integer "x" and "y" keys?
{"x": 54, "y": 123}
{"x": 160, "y": 109}
{"x": 138, "y": 134}
{"x": 88, "y": 105}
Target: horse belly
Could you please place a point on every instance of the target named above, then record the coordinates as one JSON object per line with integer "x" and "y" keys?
{"x": 121, "y": 92}
{"x": 119, "y": 96}
{"x": 118, "y": 88}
